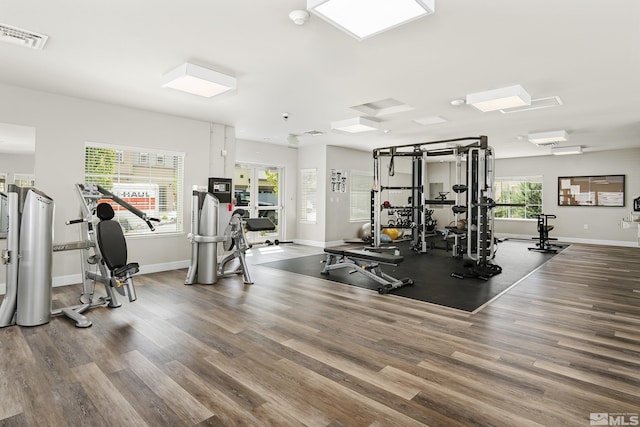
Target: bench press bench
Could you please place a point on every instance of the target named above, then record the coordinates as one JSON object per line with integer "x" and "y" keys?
{"x": 367, "y": 263}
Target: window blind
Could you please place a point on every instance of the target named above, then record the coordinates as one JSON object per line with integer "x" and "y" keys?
{"x": 308, "y": 195}
{"x": 138, "y": 177}
{"x": 360, "y": 195}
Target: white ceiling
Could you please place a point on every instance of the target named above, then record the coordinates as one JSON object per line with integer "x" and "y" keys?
{"x": 585, "y": 52}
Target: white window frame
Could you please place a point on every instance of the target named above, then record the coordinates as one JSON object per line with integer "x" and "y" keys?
{"x": 127, "y": 169}
{"x": 360, "y": 195}
{"x": 530, "y": 179}
{"x": 308, "y": 212}
{"x": 24, "y": 179}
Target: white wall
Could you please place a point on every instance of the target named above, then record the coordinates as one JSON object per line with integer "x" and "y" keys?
{"x": 64, "y": 124}
{"x": 259, "y": 153}
{"x": 601, "y": 222}
{"x": 337, "y": 226}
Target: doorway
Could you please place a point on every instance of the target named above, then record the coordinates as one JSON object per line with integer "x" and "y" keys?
{"x": 258, "y": 190}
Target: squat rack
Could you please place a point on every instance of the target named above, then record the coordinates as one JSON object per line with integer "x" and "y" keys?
{"x": 476, "y": 207}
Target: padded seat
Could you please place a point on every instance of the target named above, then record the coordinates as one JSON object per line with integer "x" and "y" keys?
{"x": 374, "y": 256}
{"x": 367, "y": 263}
{"x": 259, "y": 224}
{"x": 112, "y": 243}
{"x": 382, "y": 257}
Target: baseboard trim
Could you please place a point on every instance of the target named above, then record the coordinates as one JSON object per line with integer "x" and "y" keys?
{"x": 624, "y": 243}
{"x": 73, "y": 279}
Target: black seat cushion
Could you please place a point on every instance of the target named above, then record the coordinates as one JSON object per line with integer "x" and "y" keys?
{"x": 259, "y": 224}
{"x": 126, "y": 270}
{"x": 113, "y": 246}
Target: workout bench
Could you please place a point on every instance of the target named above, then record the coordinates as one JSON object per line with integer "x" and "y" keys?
{"x": 367, "y": 263}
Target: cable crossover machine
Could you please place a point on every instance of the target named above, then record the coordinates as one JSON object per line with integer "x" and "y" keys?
{"x": 473, "y": 204}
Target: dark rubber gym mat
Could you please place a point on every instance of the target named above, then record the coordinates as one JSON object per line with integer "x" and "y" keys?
{"x": 431, "y": 274}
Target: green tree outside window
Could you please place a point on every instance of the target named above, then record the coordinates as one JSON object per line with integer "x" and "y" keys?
{"x": 523, "y": 191}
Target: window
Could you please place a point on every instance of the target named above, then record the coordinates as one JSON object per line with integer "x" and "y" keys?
{"x": 360, "y": 196}
{"x": 309, "y": 195}
{"x": 3, "y": 182}
{"x": 24, "y": 179}
{"x": 155, "y": 190}
{"x": 518, "y": 190}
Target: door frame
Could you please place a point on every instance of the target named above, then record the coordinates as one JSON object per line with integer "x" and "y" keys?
{"x": 255, "y": 209}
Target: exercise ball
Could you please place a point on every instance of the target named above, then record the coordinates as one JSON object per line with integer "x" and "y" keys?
{"x": 364, "y": 232}
{"x": 393, "y": 233}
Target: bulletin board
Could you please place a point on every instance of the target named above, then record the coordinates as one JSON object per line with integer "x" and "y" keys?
{"x": 595, "y": 190}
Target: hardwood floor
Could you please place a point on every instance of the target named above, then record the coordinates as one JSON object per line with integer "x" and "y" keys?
{"x": 292, "y": 350}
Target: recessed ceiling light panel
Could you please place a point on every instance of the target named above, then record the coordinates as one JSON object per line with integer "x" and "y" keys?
{"x": 547, "y": 138}
{"x": 198, "y": 80}
{"x": 432, "y": 120}
{"x": 355, "y": 125}
{"x": 383, "y": 107}
{"x": 536, "y": 104}
{"x": 498, "y": 99}
{"x": 561, "y": 151}
{"x": 366, "y": 18}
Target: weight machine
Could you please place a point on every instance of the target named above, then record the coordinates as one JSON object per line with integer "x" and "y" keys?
{"x": 205, "y": 267}
{"x": 27, "y": 300}
{"x": 103, "y": 252}
{"x": 472, "y": 207}
{"x": 544, "y": 241}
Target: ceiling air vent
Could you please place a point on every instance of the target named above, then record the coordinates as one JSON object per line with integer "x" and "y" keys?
{"x": 22, "y": 37}
{"x": 312, "y": 132}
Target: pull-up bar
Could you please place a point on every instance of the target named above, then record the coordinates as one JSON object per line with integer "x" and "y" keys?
{"x": 480, "y": 141}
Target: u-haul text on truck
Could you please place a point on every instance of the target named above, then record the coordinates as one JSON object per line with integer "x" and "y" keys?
{"x": 140, "y": 196}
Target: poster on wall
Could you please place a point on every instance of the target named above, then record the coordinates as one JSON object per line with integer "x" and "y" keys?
{"x": 338, "y": 181}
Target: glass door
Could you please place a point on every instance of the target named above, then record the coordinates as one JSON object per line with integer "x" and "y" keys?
{"x": 257, "y": 189}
